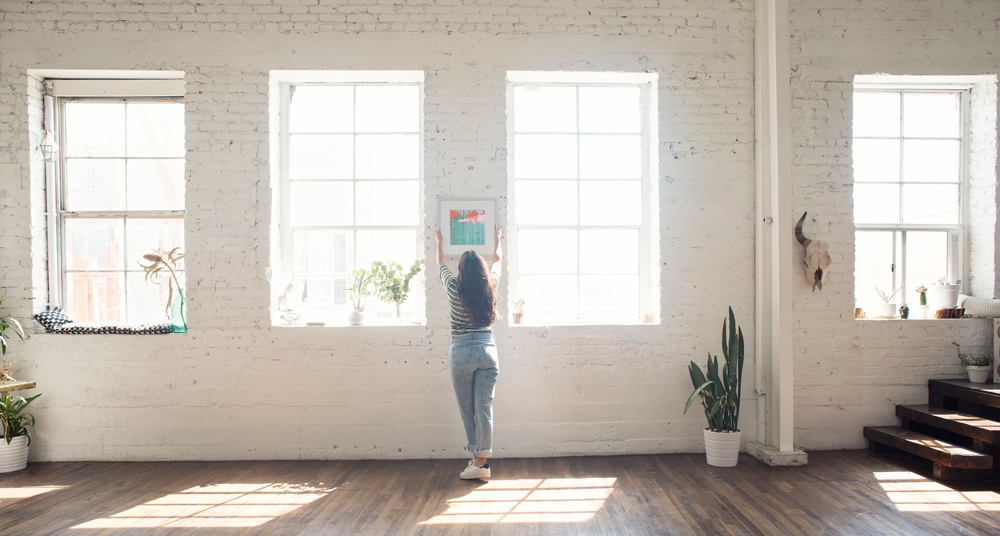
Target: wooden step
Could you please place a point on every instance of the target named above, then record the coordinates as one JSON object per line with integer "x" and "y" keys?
{"x": 986, "y": 394}
{"x": 960, "y": 423}
{"x": 951, "y": 462}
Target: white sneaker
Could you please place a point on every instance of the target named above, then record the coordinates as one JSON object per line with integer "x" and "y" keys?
{"x": 472, "y": 472}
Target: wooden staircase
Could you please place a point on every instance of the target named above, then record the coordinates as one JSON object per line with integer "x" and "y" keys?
{"x": 958, "y": 430}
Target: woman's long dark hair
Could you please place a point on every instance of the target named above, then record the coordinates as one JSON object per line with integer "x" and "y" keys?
{"x": 476, "y": 290}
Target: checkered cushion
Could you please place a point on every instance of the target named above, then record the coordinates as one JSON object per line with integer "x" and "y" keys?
{"x": 52, "y": 319}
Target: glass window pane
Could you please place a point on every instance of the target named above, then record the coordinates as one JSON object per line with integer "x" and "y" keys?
{"x": 321, "y": 157}
{"x": 147, "y": 300}
{"x": 322, "y": 203}
{"x": 926, "y": 261}
{"x": 388, "y": 109}
{"x": 321, "y": 109}
{"x": 876, "y": 114}
{"x": 546, "y": 252}
{"x": 155, "y": 129}
{"x": 155, "y": 184}
{"x": 388, "y": 156}
{"x": 544, "y": 109}
{"x": 95, "y": 184}
{"x": 873, "y": 260}
{"x": 609, "y": 298}
{"x": 609, "y": 252}
{"x": 541, "y": 156}
{"x": 610, "y": 109}
{"x": 876, "y": 160}
{"x": 95, "y": 297}
{"x": 146, "y": 235}
{"x": 930, "y": 203}
{"x": 932, "y": 115}
{"x": 931, "y": 160}
{"x": 387, "y": 203}
{"x": 385, "y": 246}
{"x": 876, "y": 203}
{"x": 95, "y": 129}
{"x": 545, "y": 202}
{"x": 610, "y": 202}
{"x": 326, "y": 251}
{"x": 610, "y": 157}
{"x": 549, "y": 298}
{"x": 94, "y": 244}
{"x": 323, "y": 291}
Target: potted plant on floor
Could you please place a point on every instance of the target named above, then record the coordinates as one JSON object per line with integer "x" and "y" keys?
{"x": 518, "y": 308}
{"x": 14, "y": 423}
{"x": 720, "y": 397}
{"x": 360, "y": 289}
{"x": 391, "y": 284}
{"x": 887, "y": 309}
{"x": 978, "y": 368}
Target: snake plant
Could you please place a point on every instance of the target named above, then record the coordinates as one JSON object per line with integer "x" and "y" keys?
{"x": 720, "y": 393}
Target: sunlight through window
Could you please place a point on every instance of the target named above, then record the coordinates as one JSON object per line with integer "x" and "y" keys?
{"x": 911, "y": 492}
{"x": 550, "y": 500}
{"x": 218, "y": 505}
{"x": 11, "y": 495}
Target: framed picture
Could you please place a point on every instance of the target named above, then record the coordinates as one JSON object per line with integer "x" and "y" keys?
{"x": 467, "y": 224}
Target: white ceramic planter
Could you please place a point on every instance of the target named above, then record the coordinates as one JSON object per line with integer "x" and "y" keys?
{"x": 356, "y": 319}
{"x": 722, "y": 449}
{"x": 943, "y": 296}
{"x": 13, "y": 457}
{"x": 882, "y": 310}
{"x": 919, "y": 311}
{"x": 978, "y": 374}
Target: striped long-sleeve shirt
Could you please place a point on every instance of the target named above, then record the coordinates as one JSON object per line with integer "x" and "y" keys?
{"x": 461, "y": 322}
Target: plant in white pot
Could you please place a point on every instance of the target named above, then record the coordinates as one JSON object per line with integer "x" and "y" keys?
{"x": 360, "y": 289}
{"x": 978, "y": 368}
{"x": 887, "y": 309}
{"x": 922, "y": 310}
{"x": 14, "y": 423}
{"x": 720, "y": 397}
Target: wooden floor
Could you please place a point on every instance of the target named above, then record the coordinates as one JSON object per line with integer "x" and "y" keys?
{"x": 845, "y": 492}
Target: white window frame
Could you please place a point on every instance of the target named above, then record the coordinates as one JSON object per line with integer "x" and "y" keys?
{"x": 648, "y": 231}
{"x": 285, "y": 254}
{"x": 60, "y": 92}
{"x": 957, "y": 246}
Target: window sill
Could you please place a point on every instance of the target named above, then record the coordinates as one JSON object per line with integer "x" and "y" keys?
{"x": 919, "y": 319}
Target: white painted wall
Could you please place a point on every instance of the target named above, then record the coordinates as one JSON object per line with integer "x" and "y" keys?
{"x": 235, "y": 387}
{"x": 851, "y": 373}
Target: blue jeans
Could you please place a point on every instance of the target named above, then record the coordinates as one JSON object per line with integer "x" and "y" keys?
{"x": 474, "y": 370}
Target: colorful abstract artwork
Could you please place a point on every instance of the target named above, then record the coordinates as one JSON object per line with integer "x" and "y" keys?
{"x": 467, "y": 224}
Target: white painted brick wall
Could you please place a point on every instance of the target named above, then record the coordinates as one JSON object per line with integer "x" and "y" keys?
{"x": 849, "y": 373}
{"x": 235, "y": 387}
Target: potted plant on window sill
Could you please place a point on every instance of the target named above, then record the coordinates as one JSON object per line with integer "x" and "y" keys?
{"x": 518, "y": 308}
{"x": 176, "y": 299}
{"x": 887, "y": 309}
{"x": 360, "y": 289}
{"x": 922, "y": 310}
{"x": 720, "y": 397}
{"x": 391, "y": 284}
{"x": 978, "y": 368}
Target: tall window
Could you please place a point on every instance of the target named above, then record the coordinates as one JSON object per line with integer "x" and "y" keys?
{"x": 120, "y": 192}
{"x": 580, "y": 158}
{"x": 909, "y": 153}
{"x": 350, "y": 188}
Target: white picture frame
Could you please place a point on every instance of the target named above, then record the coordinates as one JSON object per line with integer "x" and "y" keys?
{"x": 477, "y": 235}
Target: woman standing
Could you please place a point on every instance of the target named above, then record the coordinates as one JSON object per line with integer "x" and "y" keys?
{"x": 472, "y": 298}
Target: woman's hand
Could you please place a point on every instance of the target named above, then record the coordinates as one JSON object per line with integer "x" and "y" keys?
{"x": 497, "y": 234}
{"x": 437, "y": 237}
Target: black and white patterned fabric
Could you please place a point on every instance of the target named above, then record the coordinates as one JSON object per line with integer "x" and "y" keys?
{"x": 100, "y": 328}
{"x": 56, "y": 321}
{"x": 52, "y": 319}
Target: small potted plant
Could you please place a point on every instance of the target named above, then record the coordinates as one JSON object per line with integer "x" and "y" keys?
{"x": 887, "y": 309}
{"x": 978, "y": 368}
{"x": 720, "y": 396}
{"x": 920, "y": 311}
{"x": 14, "y": 423}
{"x": 391, "y": 284}
{"x": 360, "y": 289}
{"x": 518, "y": 307}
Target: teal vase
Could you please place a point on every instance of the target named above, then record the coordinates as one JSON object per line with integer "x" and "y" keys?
{"x": 179, "y": 312}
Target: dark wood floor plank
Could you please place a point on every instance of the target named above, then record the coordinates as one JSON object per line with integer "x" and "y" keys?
{"x": 843, "y": 492}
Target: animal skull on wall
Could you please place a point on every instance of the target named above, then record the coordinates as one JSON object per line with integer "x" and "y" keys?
{"x": 817, "y": 258}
